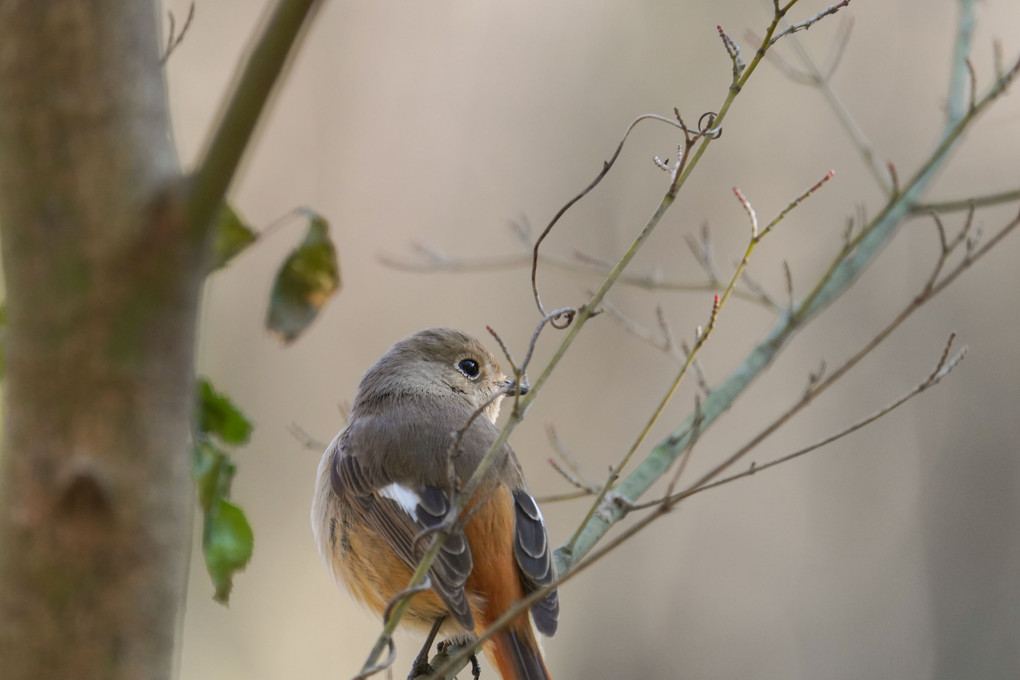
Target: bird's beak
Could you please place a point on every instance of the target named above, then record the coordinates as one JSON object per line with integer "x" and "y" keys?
{"x": 513, "y": 388}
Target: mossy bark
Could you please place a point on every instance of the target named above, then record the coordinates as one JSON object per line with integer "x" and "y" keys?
{"x": 102, "y": 285}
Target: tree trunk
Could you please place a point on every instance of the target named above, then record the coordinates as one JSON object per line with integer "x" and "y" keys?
{"x": 102, "y": 284}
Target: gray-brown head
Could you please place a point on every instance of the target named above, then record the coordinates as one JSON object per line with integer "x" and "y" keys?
{"x": 436, "y": 363}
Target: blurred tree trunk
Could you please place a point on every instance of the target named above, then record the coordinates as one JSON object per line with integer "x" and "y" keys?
{"x": 102, "y": 285}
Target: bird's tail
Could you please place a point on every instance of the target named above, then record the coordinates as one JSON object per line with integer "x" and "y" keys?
{"x": 517, "y": 655}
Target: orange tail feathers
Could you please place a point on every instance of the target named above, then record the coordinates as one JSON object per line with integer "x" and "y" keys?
{"x": 516, "y": 653}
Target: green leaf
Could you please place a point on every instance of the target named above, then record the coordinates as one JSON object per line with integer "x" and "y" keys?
{"x": 308, "y": 278}
{"x": 226, "y": 536}
{"x": 227, "y": 539}
{"x": 227, "y": 542}
{"x": 218, "y": 416}
{"x": 212, "y": 471}
{"x": 231, "y": 236}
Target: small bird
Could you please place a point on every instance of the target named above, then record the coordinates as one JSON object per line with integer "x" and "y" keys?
{"x": 393, "y": 473}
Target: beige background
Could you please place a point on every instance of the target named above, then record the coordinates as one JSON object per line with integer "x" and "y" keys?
{"x": 894, "y": 553}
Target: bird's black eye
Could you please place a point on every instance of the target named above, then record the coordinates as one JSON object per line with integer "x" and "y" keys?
{"x": 468, "y": 367}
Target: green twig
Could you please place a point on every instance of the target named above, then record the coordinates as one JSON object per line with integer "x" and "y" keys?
{"x": 844, "y": 270}
{"x": 959, "y": 73}
{"x": 966, "y": 203}
{"x": 241, "y": 112}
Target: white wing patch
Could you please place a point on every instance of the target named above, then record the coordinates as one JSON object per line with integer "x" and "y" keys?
{"x": 402, "y": 496}
{"x": 541, "y": 517}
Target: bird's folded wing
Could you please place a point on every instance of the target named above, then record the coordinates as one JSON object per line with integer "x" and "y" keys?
{"x": 531, "y": 548}
{"x": 400, "y": 512}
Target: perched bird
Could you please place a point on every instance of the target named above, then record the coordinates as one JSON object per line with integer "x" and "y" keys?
{"x": 393, "y": 473}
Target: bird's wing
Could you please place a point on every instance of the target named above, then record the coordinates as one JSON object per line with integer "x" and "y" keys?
{"x": 400, "y": 512}
{"x": 531, "y": 548}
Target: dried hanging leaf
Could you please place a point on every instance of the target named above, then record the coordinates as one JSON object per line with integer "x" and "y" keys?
{"x": 307, "y": 280}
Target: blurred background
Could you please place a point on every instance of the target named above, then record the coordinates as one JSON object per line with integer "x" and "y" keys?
{"x": 893, "y": 553}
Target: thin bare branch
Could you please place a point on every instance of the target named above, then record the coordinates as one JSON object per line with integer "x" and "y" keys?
{"x": 791, "y": 72}
{"x": 391, "y": 656}
{"x": 573, "y": 479}
{"x": 432, "y": 260}
{"x": 305, "y": 439}
{"x": 751, "y": 214}
{"x": 967, "y": 203}
{"x": 817, "y": 385}
{"x": 997, "y": 58}
{"x": 797, "y": 201}
{"x": 566, "y": 496}
{"x": 669, "y": 342}
{"x": 813, "y": 76}
{"x": 699, "y": 373}
{"x": 839, "y": 47}
{"x": 570, "y": 470}
{"x": 753, "y": 286}
{"x": 503, "y": 348}
{"x": 174, "y": 39}
{"x": 945, "y": 365}
{"x": 661, "y": 342}
{"x": 788, "y": 275}
{"x": 972, "y": 78}
{"x": 606, "y": 167}
{"x": 566, "y": 454}
{"x": 733, "y": 50}
{"x": 521, "y": 229}
{"x": 701, "y": 337}
{"x": 406, "y": 593}
{"x": 701, "y": 248}
{"x": 973, "y": 254}
{"x": 808, "y": 23}
{"x": 847, "y": 265}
